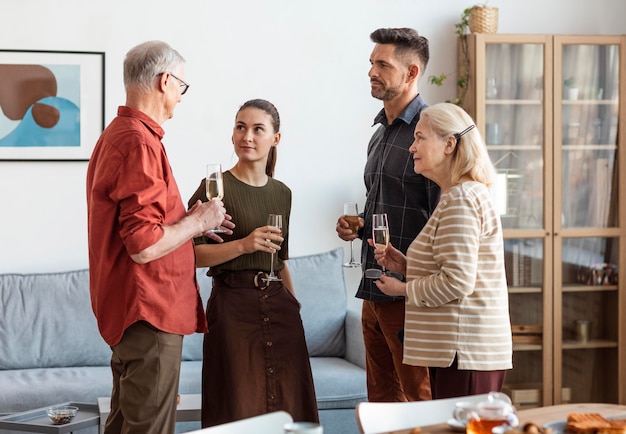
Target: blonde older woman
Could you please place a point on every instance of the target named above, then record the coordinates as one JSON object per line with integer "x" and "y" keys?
{"x": 457, "y": 315}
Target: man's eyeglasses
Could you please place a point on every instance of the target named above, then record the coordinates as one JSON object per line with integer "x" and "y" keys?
{"x": 183, "y": 86}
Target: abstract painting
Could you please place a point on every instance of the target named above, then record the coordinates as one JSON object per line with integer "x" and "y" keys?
{"x": 51, "y": 104}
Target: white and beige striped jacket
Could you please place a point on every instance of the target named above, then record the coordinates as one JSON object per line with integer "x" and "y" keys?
{"x": 457, "y": 301}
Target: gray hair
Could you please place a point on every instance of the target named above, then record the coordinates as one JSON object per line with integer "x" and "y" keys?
{"x": 145, "y": 61}
{"x": 470, "y": 157}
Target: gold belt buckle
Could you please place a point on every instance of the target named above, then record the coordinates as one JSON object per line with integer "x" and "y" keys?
{"x": 260, "y": 280}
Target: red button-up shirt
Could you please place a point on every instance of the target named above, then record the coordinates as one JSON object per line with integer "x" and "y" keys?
{"x": 131, "y": 195}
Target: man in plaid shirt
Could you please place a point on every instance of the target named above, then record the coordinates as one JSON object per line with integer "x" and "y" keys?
{"x": 398, "y": 62}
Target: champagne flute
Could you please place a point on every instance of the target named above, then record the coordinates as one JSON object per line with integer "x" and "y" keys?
{"x": 380, "y": 234}
{"x": 351, "y": 215}
{"x": 214, "y": 187}
{"x": 275, "y": 220}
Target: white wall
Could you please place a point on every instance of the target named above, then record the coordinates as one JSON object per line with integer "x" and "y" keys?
{"x": 310, "y": 58}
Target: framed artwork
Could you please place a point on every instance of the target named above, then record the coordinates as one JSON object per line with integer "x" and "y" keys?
{"x": 51, "y": 104}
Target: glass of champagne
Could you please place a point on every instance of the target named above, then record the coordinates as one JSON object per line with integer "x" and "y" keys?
{"x": 380, "y": 231}
{"x": 351, "y": 215}
{"x": 214, "y": 187}
{"x": 275, "y": 220}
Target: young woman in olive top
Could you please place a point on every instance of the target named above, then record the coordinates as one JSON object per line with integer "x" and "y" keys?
{"x": 255, "y": 357}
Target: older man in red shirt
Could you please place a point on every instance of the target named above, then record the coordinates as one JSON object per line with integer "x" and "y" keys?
{"x": 141, "y": 259}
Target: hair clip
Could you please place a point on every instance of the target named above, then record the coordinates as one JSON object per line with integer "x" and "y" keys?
{"x": 458, "y": 136}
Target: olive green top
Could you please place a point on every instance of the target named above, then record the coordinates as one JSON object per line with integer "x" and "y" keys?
{"x": 249, "y": 207}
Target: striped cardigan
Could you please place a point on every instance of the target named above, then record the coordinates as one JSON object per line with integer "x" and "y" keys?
{"x": 457, "y": 300}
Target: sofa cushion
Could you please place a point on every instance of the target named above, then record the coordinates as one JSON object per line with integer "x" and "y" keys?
{"x": 338, "y": 383}
{"x": 52, "y": 310}
{"x": 26, "y": 389}
{"x": 192, "y": 344}
{"x": 319, "y": 284}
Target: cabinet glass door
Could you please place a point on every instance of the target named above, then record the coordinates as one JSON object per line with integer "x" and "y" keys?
{"x": 589, "y": 109}
{"x": 510, "y": 109}
{"x": 587, "y": 218}
{"x": 514, "y": 130}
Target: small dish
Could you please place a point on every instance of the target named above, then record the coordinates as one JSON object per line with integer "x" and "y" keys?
{"x": 61, "y": 414}
{"x": 557, "y": 426}
{"x": 456, "y": 425}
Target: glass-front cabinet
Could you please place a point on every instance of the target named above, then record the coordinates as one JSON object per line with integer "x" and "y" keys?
{"x": 549, "y": 109}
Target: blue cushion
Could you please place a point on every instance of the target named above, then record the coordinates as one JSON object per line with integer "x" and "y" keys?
{"x": 53, "y": 312}
{"x": 192, "y": 344}
{"x": 27, "y": 389}
{"x": 338, "y": 383}
{"x": 319, "y": 285}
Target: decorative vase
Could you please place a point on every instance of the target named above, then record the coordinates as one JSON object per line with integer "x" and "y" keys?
{"x": 483, "y": 19}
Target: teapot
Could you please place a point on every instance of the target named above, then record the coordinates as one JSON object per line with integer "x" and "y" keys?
{"x": 496, "y": 411}
{"x": 482, "y": 417}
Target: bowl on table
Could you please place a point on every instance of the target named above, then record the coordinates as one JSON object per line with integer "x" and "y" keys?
{"x": 61, "y": 414}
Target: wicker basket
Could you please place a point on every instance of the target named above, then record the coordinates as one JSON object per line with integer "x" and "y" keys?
{"x": 483, "y": 19}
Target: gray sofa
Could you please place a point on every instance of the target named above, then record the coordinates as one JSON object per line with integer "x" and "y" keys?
{"x": 51, "y": 351}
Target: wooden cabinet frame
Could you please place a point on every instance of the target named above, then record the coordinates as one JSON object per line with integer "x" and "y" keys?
{"x": 555, "y": 350}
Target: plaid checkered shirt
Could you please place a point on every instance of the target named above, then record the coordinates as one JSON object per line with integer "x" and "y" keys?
{"x": 394, "y": 188}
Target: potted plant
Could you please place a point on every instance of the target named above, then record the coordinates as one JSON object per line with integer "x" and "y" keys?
{"x": 569, "y": 86}
{"x": 463, "y": 80}
{"x": 479, "y": 18}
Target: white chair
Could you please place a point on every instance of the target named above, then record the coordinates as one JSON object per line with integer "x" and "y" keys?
{"x": 378, "y": 417}
{"x": 270, "y": 423}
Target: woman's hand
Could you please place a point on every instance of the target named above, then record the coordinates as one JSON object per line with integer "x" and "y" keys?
{"x": 390, "y": 257}
{"x": 391, "y": 286}
{"x": 227, "y": 226}
{"x": 265, "y": 239}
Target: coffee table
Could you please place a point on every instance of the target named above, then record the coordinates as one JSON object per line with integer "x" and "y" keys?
{"x": 188, "y": 410}
{"x": 37, "y": 420}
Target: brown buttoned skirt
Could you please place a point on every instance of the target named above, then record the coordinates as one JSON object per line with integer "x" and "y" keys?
{"x": 255, "y": 358}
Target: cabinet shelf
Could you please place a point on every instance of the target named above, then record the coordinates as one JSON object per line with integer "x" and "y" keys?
{"x": 590, "y": 147}
{"x": 536, "y": 102}
{"x": 527, "y": 347}
{"x": 589, "y": 288}
{"x": 525, "y": 290}
{"x": 608, "y": 102}
{"x": 513, "y": 148}
{"x": 596, "y": 343}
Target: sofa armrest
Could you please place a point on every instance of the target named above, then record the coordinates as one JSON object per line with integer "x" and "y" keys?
{"x": 355, "y": 348}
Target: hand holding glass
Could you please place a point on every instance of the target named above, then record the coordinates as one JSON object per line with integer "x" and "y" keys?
{"x": 351, "y": 215}
{"x": 380, "y": 235}
{"x": 214, "y": 187}
{"x": 275, "y": 220}
{"x": 380, "y": 230}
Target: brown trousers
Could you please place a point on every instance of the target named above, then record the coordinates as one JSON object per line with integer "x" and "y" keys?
{"x": 388, "y": 379}
{"x": 146, "y": 370}
{"x": 452, "y": 382}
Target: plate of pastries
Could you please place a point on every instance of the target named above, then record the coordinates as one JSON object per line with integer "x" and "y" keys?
{"x": 593, "y": 423}
{"x": 577, "y": 423}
